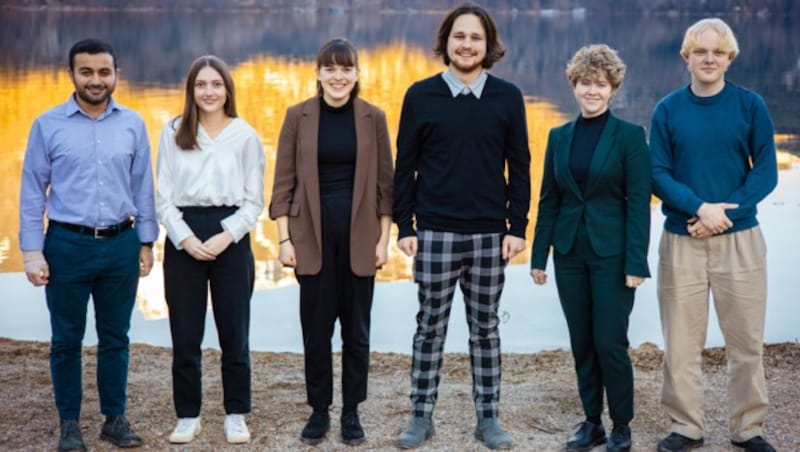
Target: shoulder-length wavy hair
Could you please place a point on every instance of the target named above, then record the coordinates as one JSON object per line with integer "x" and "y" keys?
{"x": 494, "y": 47}
{"x": 186, "y": 134}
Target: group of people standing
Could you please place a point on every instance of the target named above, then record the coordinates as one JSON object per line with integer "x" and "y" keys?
{"x": 459, "y": 193}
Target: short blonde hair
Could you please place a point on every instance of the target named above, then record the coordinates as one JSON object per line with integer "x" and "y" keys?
{"x": 596, "y": 60}
{"x": 727, "y": 39}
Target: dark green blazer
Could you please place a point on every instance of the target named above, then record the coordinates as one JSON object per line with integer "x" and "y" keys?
{"x": 615, "y": 206}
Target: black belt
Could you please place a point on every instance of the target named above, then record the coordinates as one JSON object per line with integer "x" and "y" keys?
{"x": 98, "y": 233}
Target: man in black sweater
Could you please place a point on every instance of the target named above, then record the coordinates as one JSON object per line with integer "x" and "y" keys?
{"x": 459, "y": 132}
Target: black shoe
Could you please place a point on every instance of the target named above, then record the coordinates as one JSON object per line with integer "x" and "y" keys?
{"x": 755, "y": 444}
{"x": 117, "y": 431}
{"x": 352, "y": 433}
{"x": 587, "y": 435}
{"x": 620, "y": 439}
{"x": 70, "y": 439}
{"x": 317, "y": 426}
{"x": 675, "y": 442}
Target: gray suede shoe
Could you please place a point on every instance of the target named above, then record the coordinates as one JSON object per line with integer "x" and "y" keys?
{"x": 70, "y": 439}
{"x": 418, "y": 430}
{"x": 492, "y": 435}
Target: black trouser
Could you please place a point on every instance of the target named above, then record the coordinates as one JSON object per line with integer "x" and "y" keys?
{"x": 335, "y": 292}
{"x": 186, "y": 282}
{"x": 597, "y": 305}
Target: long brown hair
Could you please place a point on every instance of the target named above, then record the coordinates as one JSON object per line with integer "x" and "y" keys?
{"x": 494, "y": 47}
{"x": 186, "y": 134}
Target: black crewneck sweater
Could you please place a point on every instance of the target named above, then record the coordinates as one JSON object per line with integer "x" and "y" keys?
{"x": 451, "y": 160}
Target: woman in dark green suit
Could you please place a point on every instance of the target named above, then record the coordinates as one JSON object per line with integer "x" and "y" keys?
{"x": 594, "y": 210}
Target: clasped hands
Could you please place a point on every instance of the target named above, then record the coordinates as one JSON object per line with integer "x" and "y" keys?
{"x": 710, "y": 219}
{"x": 208, "y": 250}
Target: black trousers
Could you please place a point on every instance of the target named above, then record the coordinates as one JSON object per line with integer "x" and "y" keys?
{"x": 597, "y": 305}
{"x": 335, "y": 292}
{"x": 186, "y": 283}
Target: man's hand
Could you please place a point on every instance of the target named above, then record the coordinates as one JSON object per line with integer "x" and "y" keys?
{"x": 197, "y": 249}
{"x": 539, "y": 276}
{"x": 408, "y": 245}
{"x": 145, "y": 260}
{"x": 713, "y": 216}
{"x": 218, "y": 243}
{"x": 512, "y": 246}
{"x": 36, "y": 268}
{"x": 697, "y": 229}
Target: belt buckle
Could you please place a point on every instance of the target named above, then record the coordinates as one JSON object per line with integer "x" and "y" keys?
{"x": 97, "y": 233}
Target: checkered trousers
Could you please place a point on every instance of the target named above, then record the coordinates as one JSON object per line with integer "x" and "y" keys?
{"x": 475, "y": 262}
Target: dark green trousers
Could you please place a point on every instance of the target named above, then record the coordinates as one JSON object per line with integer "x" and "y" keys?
{"x": 597, "y": 305}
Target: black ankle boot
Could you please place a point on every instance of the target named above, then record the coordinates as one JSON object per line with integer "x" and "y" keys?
{"x": 352, "y": 433}
{"x": 317, "y": 426}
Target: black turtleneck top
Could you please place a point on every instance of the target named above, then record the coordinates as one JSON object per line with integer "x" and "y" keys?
{"x": 336, "y": 147}
{"x": 587, "y": 134}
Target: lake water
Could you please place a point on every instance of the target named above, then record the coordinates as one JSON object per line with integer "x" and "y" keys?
{"x": 272, "y": 57}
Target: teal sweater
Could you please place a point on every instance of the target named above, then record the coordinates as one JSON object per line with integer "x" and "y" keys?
{"x": 712, "y": 149}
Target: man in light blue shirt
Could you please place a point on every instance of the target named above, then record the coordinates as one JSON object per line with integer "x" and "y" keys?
{"x": 87, "y": 167}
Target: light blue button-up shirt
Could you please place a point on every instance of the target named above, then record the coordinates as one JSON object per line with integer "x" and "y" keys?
{"x": 90, "y": 171}
{"x": 456, "y": 87}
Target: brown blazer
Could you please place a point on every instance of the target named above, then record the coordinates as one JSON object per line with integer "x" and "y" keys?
{"x": 296, "y": 189}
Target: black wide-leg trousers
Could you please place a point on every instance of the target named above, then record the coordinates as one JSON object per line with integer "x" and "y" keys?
{"x": 186, "y": 283}
{"x": 335, "y": 292}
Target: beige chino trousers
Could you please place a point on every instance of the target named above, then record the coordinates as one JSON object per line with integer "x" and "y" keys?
{"x": 734, "y": 267}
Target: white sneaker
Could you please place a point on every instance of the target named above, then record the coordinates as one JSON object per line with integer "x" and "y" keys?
{"x": 236, "y": 431}
{"x": 185, "y": 431}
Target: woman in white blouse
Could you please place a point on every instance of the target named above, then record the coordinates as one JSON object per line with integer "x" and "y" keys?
{"x": 210, "y": 194}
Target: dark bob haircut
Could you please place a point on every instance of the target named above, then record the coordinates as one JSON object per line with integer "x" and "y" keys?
{"x": 494, "y": 47}
{"x": 338, "y": 51}
{"x": 92, "y": 47}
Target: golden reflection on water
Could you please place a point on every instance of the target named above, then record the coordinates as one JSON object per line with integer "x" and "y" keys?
{"x": 266, "y": 87}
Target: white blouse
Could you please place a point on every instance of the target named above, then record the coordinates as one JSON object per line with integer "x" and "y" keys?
{"x": 226, "y": 171}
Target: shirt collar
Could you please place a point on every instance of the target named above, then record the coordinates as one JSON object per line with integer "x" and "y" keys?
{"x": 73, "y": 107}
{"x": 456, "y": 87}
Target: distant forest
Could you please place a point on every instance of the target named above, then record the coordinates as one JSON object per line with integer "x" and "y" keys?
{"x": 603, "y": 7}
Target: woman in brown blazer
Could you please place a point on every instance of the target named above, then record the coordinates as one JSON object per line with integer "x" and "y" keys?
{"x": 332, "y": 200}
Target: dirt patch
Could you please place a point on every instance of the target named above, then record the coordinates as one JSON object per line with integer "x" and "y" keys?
{"x": 539, "y": 404}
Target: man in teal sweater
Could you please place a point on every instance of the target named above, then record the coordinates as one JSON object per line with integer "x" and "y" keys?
{"x": 713, "y": 160}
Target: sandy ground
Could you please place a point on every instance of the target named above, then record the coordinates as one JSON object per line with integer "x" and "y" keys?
{"x": 539, "y": 404}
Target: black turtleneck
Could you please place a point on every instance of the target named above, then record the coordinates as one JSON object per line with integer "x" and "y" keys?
{"x": 587, "y": 134}
{"x": 336, "y": 147}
